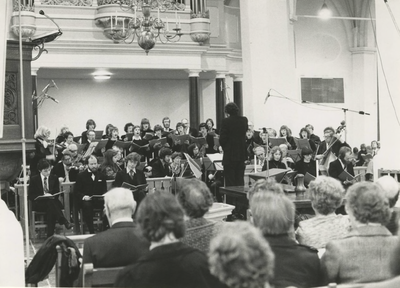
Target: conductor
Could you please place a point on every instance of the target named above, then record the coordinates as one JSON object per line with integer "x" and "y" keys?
{"x": 233, "y": 143}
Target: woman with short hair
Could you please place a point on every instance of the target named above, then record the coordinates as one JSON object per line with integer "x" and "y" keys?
{"x": 169, "y": 263}
{"x": 364, "y": 255}
{"x": 241, "y": 245}
{"x": 42, "y": 148}
{"x": 276, "y": 160}
{"x": 326, "y": 196}
{"x": 286, "y": 133}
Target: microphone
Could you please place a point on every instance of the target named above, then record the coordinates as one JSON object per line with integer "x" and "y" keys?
{"x": 363, "y": 113}
{"x": 41, "y": 12}
{"x": 268, "y": 95}
{"x": 54, "y": 84}
{"x": 55, "y": 100}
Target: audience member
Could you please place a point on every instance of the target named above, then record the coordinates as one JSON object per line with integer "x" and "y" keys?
{"x": 196, "y": 199}
{"x": 326, "y": 196}
{"x": 170, "y": 263}
{"x": 364, "y": 255}
{"x": 390, "y": 188}
{"x": 273, "y": 212}
{"x": 240, "y": 256}
{"x": 123, "y": 243}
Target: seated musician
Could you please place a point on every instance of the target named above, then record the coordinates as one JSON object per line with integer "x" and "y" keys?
{"x": 109, "y": 167}
{"x": 61, "y": 138}
{"x": 194, "y": 151}
{"x": 260, "y": 157}
{"x": 76, "y": 159}
{"x": 271, "y": 132}
{"x": 363, "y": 151}
{"x": 64, "y": 169}
{"x": 166, "y": 122}
{"x": 132, "y": 176}
{"x": 68, "y": 140}
{"x": 210, "y": 126}
{"x": 250, "y": 145}
{"x": 90, "y": 125}
{"x": 128, "y": 128}
{"x": 314, "y": 138}
{"x": 276, "y": 160}
{"x": 139, "y": 140}
{"x": 176, "y": 166}
{"x": 286, "y": 133}
{"x": 256, "y": 134}
{"x": 114, "y": 132}
{"x": 343, "y": 163}
{"x": 306, "y": 164}
{"x": 305, "y": 134}
{"x": 288, "y": 161}
{"x": 264, "y": 138}
{"x": 107, "y": 132}
{"x": 89, "y": 183}
{"x": 45, "y": 184}
{"x": 161, "y": 167}
{"x": 145, "y": 127}
{"x": 42, "y": 148}
{"x": 329, "y": 148}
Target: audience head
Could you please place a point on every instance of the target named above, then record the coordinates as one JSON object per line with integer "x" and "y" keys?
{"x": 366, "y": 203}
{"x": 240, "y": 256}
{"x": 159, "y": 215}
{"x": 273, "y": 213}
{"x": 304, "y": 133}
{"x": 390, "y": 188}
{"x": 92, "y": 163}
{"x": 166, "y": 122}
{"x": 145, "y": 124}
{"x": 44, "y": 167}
{"x": 165, "y": 154}
{"x": 42, "y": 132}
{"x": 268, "y": 185}
{"x": 110, "y": 157}
{"x": 91, "y": 135}
{"x": 232, "y": 109}
{"x": 193, "y": 150}
{"x": 195, "y": 198}
{"x": 90, "y": 124}
{"x": 132, "y": 160}
{"x": 326, "y": 194}
{"x": 395, "y": 260}
{"x": 128, "y": 128}
{"x": 119, "y": 203}
{"x": 284, "y": 131}
{"x": 276, "y": 153}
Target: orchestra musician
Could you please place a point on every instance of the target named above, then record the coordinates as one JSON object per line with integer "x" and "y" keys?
{"x": 260, "y": 157}
{"x": 132, "y": 175}
{"x": 194, "y": 151}
{"x": 64, "y": 169}
{"x": 343, "y": 163}
{"x": 109, "y": 167}
{"x": 314, "y": 138}
{"x": 42, "y": 148}
{"x": 176, "y": 166}
{"x": 306, "y": 164}
{"x": 250, "y": 144}
{"x": 328, "y": 150}
{"x": 288, "y": 161}
{"x": 128, "y": 128}
{"x": 46, "y": 184}
{"x": 305, "y": 134}
{"x": 90, "y": 125}
{"x": 363, "y": 151}
{"x": 161, "y": 167}
{"x": 286, "y": 133}
{"x": 89, "y": 183}
{"x": 61, "y": 138}
{"x": 276, "y": 160}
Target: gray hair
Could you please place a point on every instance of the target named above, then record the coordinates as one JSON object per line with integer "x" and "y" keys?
{"x": 195, "y": 198}
{"x": 326, "y": 194}
{"x": 119, "y": 199}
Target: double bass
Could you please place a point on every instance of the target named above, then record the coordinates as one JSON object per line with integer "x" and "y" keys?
{"x": 328, "y": 156}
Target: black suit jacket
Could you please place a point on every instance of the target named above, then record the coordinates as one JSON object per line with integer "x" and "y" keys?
{"x": 335, "y": 168}
{"x": 121, "y": 245}
{"x": 36, "y": 186}
{"x": 138, "y": 179}
{"x": 59, "y": 171}
{"x": 159, "y": 169}
{"x": 233, "y": 139}
{"x": 86, "y": 186}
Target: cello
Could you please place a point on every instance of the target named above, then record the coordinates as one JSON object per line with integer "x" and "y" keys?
{"x": 328, "y": 156}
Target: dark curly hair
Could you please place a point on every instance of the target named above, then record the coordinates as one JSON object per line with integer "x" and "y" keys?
{"x": 195, "y": 198}
{"x": 231, "y": 109}
{"x": 368, "y": 203}
{"x": 160, "y": 214}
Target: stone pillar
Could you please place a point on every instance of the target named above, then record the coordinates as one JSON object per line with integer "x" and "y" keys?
{"x": 34, "y": 102}
{"x": 194, "y": 99}
{"x": 220, "y": 92}
{"x": 238, "y": 92}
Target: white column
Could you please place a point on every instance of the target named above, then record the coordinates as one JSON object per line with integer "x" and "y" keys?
{"x": 389, "y": 46}
{"x": 268, "y": 59}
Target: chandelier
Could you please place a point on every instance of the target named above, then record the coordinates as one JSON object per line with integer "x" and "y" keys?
{"x": 126, "y": 24}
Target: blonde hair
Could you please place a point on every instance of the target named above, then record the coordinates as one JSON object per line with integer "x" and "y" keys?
{"x": 42, "y": 132}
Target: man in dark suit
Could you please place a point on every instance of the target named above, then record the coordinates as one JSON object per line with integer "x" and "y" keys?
{"x": 64, "y": 170}
{"x": 46, "y": 184}
{"x": 88, "y": 183}
{"x": 132, "y": 176}
{"x": 233, "y": 142}
{"x": 123, "y": 243}
{"x": 161, "y": 167}
{"x": 341, "y": 164}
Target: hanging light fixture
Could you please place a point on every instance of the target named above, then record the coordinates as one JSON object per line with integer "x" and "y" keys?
{"x": 324, "y": 13}
{"x": 121, "y": 22}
